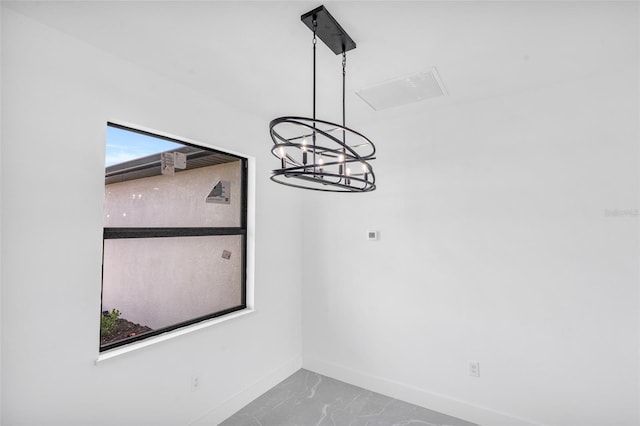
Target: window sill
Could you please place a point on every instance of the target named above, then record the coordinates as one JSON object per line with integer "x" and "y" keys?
{"x": 113, "y": 353}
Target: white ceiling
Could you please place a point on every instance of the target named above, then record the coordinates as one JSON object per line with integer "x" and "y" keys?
{"x": 257, "y": 55}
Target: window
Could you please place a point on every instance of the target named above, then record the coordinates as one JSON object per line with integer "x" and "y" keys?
{"x": 175, "y": 235}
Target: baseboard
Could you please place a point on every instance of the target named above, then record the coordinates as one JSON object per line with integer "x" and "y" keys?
{"x": 248, "y": 394}
{"x": 424, "y": 398}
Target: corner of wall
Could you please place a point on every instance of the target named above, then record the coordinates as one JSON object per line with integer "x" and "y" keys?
{"x": 234, "y": 403}
{"x": 421, "y": 397}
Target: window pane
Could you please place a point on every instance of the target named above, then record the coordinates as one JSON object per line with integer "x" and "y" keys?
{"x": 184, "y": 260}
{"x": 209, "y": 196}
{"x": 160, "y": 282}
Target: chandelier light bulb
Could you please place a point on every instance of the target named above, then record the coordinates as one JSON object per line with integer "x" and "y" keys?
{"x": 283, "y": 157}
{"x": 304, "y": 151}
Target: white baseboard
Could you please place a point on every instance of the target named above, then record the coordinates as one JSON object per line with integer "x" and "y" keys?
{"x": 248, "y": 394}
{"x": 424, "y": 398}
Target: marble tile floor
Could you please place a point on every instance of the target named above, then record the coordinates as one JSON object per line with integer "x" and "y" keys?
{"x": 310, "y": 399}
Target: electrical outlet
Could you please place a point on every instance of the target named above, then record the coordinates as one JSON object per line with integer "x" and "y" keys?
{"x": 474, "y": 368}
{"x": 195, "y": 383}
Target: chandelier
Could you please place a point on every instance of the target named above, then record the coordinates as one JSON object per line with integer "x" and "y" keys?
{"x": 317, "y": 154}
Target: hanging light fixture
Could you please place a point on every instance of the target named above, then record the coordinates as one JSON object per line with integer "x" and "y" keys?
{"x": 317, "y": 154}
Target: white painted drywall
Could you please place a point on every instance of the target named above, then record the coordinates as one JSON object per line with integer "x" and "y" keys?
{"x": 57, "y": 95}
{"x": 508, "y": 235}
{"x": 497, "y": 244}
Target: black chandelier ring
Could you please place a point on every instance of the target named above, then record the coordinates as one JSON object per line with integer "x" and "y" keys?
{"x": 312, "y": 125}
{"x": 321, "y": 161}
{"x": 281, "y": 176}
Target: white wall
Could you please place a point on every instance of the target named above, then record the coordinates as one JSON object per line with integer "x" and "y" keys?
{"x": 495, "y": 246}
{"x": 58, "y": 94}
{"x": 498, "y": 244}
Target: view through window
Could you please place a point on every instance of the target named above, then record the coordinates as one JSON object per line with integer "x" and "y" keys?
{"x": 175, "y": 221}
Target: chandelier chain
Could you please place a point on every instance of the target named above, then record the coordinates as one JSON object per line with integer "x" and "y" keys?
{"x": 315, "y": 28}
{"x": 313, "y": 137}
{"x": 344, "y": 78}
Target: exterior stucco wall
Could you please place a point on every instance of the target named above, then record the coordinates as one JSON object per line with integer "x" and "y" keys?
{"x": 177, "y": 200}
{"x": 159, "y": 282}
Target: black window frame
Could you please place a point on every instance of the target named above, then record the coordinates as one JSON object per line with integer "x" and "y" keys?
{"x": 164, "y": 232}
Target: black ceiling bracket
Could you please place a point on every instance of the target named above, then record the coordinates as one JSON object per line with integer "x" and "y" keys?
{"x": 328, "y": 30}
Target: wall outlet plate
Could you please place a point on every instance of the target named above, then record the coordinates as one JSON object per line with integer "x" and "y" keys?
{"x": 474, "y": 368}
{"x": 195, "y": 383}
{"x": 372, "y": 235}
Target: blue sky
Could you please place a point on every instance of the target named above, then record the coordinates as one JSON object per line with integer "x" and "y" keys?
{"x": 124, "y": 145}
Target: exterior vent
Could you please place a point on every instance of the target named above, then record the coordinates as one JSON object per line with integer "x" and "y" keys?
{"x": 403, "y": 90}
{"x": 221, "y": 193}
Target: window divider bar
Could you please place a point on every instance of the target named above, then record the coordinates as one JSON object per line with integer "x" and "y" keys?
{"x": 113, "y": 233}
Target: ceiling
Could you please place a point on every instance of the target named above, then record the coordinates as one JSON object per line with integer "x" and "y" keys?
{"x": 257, "y": 55}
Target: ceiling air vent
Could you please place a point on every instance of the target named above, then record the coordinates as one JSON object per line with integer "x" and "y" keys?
{"x": 403, "y": 90}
